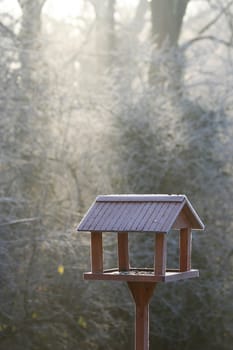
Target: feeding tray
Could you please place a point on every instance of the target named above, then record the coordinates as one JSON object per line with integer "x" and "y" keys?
{"x": 141, "y": 275}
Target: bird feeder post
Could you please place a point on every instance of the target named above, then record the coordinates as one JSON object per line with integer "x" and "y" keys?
{"x": 156, "y": 214}
{"x": 142, "y": 293}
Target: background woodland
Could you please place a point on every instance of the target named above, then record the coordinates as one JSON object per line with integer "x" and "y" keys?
{"x": 126, "y": 97}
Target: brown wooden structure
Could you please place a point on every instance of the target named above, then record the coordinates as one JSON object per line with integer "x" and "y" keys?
{"x": 141, "y": 213}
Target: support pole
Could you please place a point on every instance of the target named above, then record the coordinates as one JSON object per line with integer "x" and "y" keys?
{"x": 96, "y": 252}
{"x": 141, "y": 292}
{"x": 123, "y": 251}
{"x": 185, "y": 249}
{"x": 160, "y": 253}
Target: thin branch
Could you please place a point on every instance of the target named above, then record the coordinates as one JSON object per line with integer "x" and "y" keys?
{"x": 215, "y": 19}
{"x": 11, "y": 200}
{"x": 186, "y": 45}
{"x": 20, "y": 221}
{"x": 7, "y": 31}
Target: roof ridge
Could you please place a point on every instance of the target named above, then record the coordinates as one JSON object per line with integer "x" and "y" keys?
{"x": 141, "y": 198}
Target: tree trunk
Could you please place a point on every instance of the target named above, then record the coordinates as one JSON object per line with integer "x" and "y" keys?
{"x": 167, "y": 17}
{"x": 111, "y": 37}
{"x": 105, "y": 32}
{"x": 30, "y": 92}
{"x": 30, "y": 30}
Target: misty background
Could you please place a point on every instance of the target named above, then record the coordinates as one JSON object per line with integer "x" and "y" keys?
{"x": 101, "y": 97}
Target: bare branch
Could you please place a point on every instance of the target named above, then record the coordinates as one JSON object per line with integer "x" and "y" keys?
{"x": 9, "y": 200}
{"x": 186, "y": 45}
{"x": 7, "y": 31}
{"x": 20, "y": 221}
{"x": 215, "y": 19}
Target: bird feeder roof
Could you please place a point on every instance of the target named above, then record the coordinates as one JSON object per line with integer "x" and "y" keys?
{"x": 140, "y": 213}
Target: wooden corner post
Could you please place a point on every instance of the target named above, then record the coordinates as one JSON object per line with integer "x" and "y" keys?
{"x": 185, "y": 249}
{"x": 96, "y": 252}
{"x": 141, "y": 292}
{"x": 123, "y": 251}
{"x": 160, "y": 254}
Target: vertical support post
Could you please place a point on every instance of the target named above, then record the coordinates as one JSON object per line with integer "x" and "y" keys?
{"x": 123, "y": 251}
{"x": 185, "y": 249}
{"x": 160, "y": 254}
{"x": 96, "y": 252}
{"x": 141, "y": 292}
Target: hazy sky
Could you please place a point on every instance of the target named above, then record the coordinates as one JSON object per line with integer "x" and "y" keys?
{"x": 71, "y": 8}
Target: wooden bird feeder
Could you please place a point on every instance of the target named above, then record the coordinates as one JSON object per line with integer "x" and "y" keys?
{"x": 141, "y": 213}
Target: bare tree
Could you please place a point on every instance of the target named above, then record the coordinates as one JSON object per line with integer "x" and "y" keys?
{"x": 167, "y": 18}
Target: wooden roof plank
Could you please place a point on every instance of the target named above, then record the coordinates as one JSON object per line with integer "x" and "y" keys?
{"x": 87, "y": 220}
{"x": 162, "y": 219}
{"x": 175, "y": 210}
{"x": 119, "y": 210}
{"x": 152, "y": 218}
{"x": 100, "y": 208}
{"x": 128, "y": 211}
{"x": 155, "y": 223}
{"x": 136, "y": 208}
{"x": 147, "y": 217}
{"x": 143, "y": 215}
{"x": 107, "y": 217}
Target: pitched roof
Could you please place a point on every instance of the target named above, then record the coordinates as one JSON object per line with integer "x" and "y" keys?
{"x": 139, "y": 213}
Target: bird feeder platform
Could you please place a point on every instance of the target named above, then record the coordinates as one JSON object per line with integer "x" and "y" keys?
{"x": 141, "y": 275}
